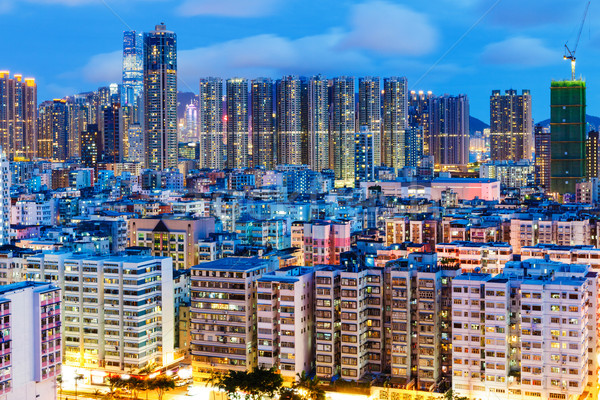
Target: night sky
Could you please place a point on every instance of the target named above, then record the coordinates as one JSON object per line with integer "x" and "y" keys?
{"x": 72, "y": 46}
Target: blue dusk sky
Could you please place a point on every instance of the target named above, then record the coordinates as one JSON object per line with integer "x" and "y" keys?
{"x": 72, "y": 46}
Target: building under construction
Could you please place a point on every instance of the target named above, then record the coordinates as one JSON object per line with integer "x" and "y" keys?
{"x": 568, "y": 135}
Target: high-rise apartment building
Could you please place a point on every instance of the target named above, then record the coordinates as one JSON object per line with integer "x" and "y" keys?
{"x": 5, "y": 204}
{"x": 289, "y": 120}
{"x": 53, "y": 128}
{"x": 78, "y": 120}
{"x": 418, "y": 115}
{"x": 343, "y": 130}
{"x": 160, "y": 98}
{"x": 364, "y": 155}
{"x": 18, "y": 116}
{"x": 30, "y": 344}
{"x": 210, "y": 123}
{"x": 395, "y": 122}
{"x": 568, "y": 133}
{"x": 449, "y": 129}
{"x": 511, "y": 126}
{"x": 135, "y": 142}
{"x": 118, "y": 311}
{"x": 133, "y": 68}
{"x": 237, "y": 123}
{"x": 110, "y": 119}
{"x": 224, "y": 314}
{"x": 542, "y": 157}
{"x": 285, "y": 320}
{"x": 263, "y": 126}
{"x": 91, "y": 146}
{"x": 530, "y": 332}
{"x": 592, "y": 156}
{"x": 369, "y": 111}
{"x": 318, "y": 123}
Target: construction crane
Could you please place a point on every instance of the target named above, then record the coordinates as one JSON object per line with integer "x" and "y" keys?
{"x": 570, "y": 54}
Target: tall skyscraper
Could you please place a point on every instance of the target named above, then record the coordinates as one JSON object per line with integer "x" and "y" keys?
{"x": 53, "y": 127}
{"x": 263, "y": 131}
{"x": 18, "y": 116}
{"x": 210, "y": 123}
{"x": 237, "y": 123}
{"x": 511, "y": 126}
{"x": 542, "y": 157}
{"x": 395, "y": 121}
{"x": 369, "y": 111}
{"x": 91, "y": 146}
{"x": 78, "y": 120}
{"x": 449, "y": 128}
{"x": 111, "y": 134}
{"x": 30, "y": 108}
{"x": 318, "y": 123}
{"x": 160, "y": 98}
{"x": 343, "y": 130}
{"x": 133, "y": 67}
{"x": 592, "y": 155}
{"x": 289, "y": 120}
{"x": 135, "y": 141}
{"x": 567, "y": 129}
{"x": 418, "y": 115}
{"x": 190, "y": 129}
{"x": 414, "y": 145}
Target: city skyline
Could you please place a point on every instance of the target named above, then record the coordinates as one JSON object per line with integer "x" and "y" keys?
{"x": 520, "y": 49}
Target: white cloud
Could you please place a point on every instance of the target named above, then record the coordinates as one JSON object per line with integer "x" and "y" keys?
{"x": 520, "y": 51}
{"x": 228, "y": 8}
{"x": 390, "y": 29}
{"x": 104, "y": 68}
{"x": 271, "y": 56}
{"x": 5, "y": 6}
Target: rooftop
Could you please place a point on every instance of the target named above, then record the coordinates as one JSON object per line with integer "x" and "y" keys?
{"x": 240, "y": 264}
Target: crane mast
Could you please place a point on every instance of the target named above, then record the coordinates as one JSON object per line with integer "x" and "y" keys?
{"x": 570, "y": 54}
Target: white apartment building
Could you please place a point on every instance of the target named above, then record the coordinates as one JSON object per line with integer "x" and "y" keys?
{"x": 565, "y": 232}
{"x": 418, "y": 324}
{"x": 223, "y": 314}
{"x": 5, "y": 208}
{"x": 285, "y": 320}
{"x": 118, "y": 311}
{"x": 485, "y": 257}
{"x": 530, "y": 332}
{"x": 30, "y": 341}
{"x": 34, "y": 212}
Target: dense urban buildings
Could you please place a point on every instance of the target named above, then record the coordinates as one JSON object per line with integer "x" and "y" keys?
{"x": 344, "y": 228}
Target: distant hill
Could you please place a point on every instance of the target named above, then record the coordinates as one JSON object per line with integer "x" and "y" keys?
{"x": 476, "y": 125}
{"x": 593, "y": 122}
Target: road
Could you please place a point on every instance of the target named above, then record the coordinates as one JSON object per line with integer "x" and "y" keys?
{"x": 199, "y": 392}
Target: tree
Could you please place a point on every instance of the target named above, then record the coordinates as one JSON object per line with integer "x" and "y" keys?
{"x": 135, "y": 385}
{"x": 161, "y": 384}
{"x": 310, "y": 387}
{"x": 451, "y": 395}
{"x": 289, "y": 394}
{"x": 59, "y": 382}
{"x": 254, "y": 385}
{"x": 114, "y": 382}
